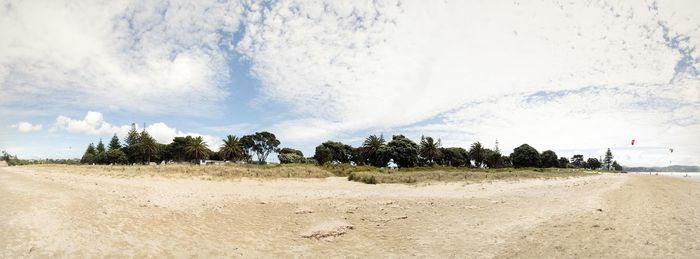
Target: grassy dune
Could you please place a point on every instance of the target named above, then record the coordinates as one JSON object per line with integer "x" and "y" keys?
{"x": 194, "y": 171}
{"x": 461, "y": 174}
{"x": 371, "y": 175}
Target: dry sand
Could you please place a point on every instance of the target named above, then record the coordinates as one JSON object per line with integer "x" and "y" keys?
{"x": 52, "y": 214}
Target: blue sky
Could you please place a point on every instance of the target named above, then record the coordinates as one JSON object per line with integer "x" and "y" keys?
{"x": 568, "y": 76}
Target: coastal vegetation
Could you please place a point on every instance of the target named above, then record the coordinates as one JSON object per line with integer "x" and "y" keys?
{"x": 376, "y": 160}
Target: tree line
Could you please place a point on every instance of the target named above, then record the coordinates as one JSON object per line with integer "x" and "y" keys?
{"x": 376, "y": 151}
{"x": 140, "y": 147}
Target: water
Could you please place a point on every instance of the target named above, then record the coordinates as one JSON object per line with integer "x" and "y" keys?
{"x": 694, "y": 175}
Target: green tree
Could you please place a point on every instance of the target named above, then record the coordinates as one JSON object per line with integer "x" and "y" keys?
{"x": 429, "y": 149}
{"x": 323, "y": 154}
{"x": 116, "y": 156}
{"x": 372, "y": 149}
{"x": 289, "y": 155}
{"x": 198, "y": 148}
{"x": 593, "y": 163}
{"x": 549, "y": 159}
{"x": 10, "y": 159}
{"x": 454, "y": 156}
{"x": 563, "y": 162}
{"x": 148, "y": 146}
{"x": 476, "y": 153}
{"x": 114, "y": 143}
{"x": 506, "y": 161}
{"x": 231, "y": 149}
{"x": 525, "y": 156}
{"x": 248, "y": 144}
{"x": 101, "y": 153}
{"x": 90, "y": 155}
{"x": 164, "y": 153}
{"x": 333, "y": 152}
{"x": 214, "y": 156}
{"x": 178, "y": 148}
{"x": 608, "y": 160}
{"x": 133, "y": 145}
{"x": 100, "y": 147}
{"x": 359, "y": 156}
{"x": 403, "y": 150}
{"x": 616, "y": 166}
{"x": 577, "y": 161}
{"x": 264, "y": 143}
{"x": 492, "y": 158}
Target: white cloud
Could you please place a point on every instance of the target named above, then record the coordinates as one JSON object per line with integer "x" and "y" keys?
{"x": 388, "y": 64}
{"x": 147, "y": 56}
{"x": 95, "y": 124}
{"x": 589, "y": 120}
{"x": 601, "y": 71}
{"x": 26, "y": 127}
{"x": 165, "y": 134}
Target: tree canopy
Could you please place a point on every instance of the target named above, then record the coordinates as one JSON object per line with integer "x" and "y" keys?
{"x": 403, "y": 150}
{"x": 264, "y": 143}
{"x": 476, "y": 153}
{"x": 329, "y": 152}
{"x": 549, "y": 159}
{"x": 198, "y": 148}
{"x": 90, "y": 155}
{"x": 290, "y": 155}
{"x": 593, "y": 163}
{"x": 608, "y": 160}
{"x": 429, "y": 150}
{"x": 374, "y": 150}
{"x": 525, "y": 156}
{"x": 141, "y": 147}
{"x": 454, "y": 156}
{"x": 232, "y": 149}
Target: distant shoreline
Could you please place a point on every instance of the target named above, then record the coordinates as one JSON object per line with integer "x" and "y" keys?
{"x": 666, "y": 169}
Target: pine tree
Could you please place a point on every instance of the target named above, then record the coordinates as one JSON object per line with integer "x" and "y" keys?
{"x": 114, "y": 143}
{"x": 608, "y": 160}
{"x": 100, "y": 148}
{"x": 101, "y": 154}
{"x": 133, "y": 145}
{"x": 90, "y": 156}
{"x": 132, "y": 138}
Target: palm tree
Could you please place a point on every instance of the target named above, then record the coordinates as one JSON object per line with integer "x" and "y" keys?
{"x": 148, "y": 146}
{"x": 371, "y": 147}
{"x": 429, "y": 149}
{"x": 476, "y": 152}
{"x": 231, "y": 149}
{"x": 197, "y": 147}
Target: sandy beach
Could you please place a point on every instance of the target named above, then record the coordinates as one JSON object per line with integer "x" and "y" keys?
{"x": 56, "y": 214}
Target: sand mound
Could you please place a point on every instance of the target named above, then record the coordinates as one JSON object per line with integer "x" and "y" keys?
{"x": 3, "y": 163}
{"x": 303, "y": 210}
{"x": 328, "y": 229}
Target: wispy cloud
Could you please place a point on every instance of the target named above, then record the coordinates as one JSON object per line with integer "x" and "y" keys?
{"x": 155, "y": 57}
{"x": 556, "y": 75}
{"x": 586, "y": 74}
{"x": 393, "y": 64}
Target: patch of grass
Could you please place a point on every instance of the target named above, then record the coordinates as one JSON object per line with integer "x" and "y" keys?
{"x": 347, "y": 170}
{"x": 365, "y": 174}
{"x": 194, "y": 171}
{"x": 463, "y": 174}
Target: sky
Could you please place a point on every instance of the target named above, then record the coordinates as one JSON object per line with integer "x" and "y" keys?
{"x": 576, "y": 77}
